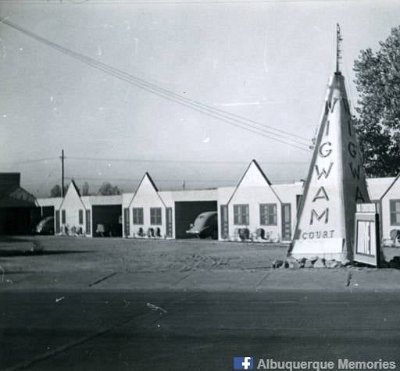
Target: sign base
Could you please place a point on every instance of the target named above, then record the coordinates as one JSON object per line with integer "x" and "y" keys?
{"x": 328, "y": 249}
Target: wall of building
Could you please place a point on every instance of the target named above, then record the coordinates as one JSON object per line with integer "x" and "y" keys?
{"x": 145, "y": 199}
{"x": 253, "y": 197}
{"x": 252, "y": 191}
{"x": 290, "y": 194}
{"x": 391, "y": 196}
{"x": 223, "y": 196}
{"x": 71, "y": 213}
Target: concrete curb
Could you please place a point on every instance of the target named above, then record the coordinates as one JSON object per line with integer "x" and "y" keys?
{"x": 341, "y": 279}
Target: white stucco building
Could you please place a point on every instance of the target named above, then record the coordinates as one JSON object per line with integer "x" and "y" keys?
{"x": 88, "y": 216}
{"x": 253, "y": 210}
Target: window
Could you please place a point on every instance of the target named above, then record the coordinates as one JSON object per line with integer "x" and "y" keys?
{"x": 241, "y": 214}
{"x": 80, "y": 216}
{"x": 63, "y": 217}
{"x": 268, "y": 214}
{"x": 137, "y": 215}
{"x": 394, "y": 212}
{"x": 155, "y": 215}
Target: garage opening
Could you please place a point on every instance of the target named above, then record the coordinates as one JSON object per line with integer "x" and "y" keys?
{"x": 186, "y": 213}
{"x": 16, "y": 220}
{"x": 107, "y": 221}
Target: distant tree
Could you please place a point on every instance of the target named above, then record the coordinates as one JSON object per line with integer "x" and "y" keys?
{"x": 378, "y": 109}
{"x": 85, "y": 189}
{"x": 55, "y": 191}
{"x": 108, "y": 189}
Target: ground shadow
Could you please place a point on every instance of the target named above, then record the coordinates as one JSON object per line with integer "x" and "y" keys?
{"x": 12, "y": 239}
{"x": 17, "y": 253}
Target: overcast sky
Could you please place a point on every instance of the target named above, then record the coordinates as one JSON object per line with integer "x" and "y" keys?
{"x": 267, "y": 62}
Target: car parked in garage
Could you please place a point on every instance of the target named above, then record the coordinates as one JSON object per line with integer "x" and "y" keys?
{"x": 205, "y": 225}
{"x": 45, "y": 226}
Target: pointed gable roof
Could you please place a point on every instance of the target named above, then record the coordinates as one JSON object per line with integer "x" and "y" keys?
{"x": 146, "y": 181}
{"x": 253, "y": 177}
{"x": 391, "y": 186}
{"x": 72, "y": 190}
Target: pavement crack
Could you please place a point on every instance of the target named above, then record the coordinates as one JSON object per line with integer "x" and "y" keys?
{"x": 261, "y": 280}
{"x": 182, "y": 279}
{"x": 66, "y": 347}
{"x": 102, "y": 279}
{"x": 58, "y": 350}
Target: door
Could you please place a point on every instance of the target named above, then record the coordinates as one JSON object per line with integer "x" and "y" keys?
{"x": 126, "y": 222}
{"x": 169, "y": 221}
{"x": 224, "y": 222}
{"x": 88, "y": 222}
{"x": 286, "y": 222}
{"x": 58, "y": 221}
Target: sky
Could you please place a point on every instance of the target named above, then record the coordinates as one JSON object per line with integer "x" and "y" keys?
{"x": 189, "y": 91}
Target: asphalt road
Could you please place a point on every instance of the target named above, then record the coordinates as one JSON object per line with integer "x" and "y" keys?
{"x": 100, "y": 330}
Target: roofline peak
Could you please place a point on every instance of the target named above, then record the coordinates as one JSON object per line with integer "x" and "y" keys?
{"x": 339, "y": 40}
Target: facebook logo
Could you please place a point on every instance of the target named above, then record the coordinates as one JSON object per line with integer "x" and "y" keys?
{"x": 243, "y": 363}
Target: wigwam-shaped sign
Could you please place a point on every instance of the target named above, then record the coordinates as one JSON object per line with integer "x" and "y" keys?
{"x": 335, "y": 183}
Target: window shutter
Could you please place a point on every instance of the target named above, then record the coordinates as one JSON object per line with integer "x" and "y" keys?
{"x": 57, "y": 221}
{"x": 224, "y": 221}
{"x": 126, "y": 222}
{"x": 88, "y": 222}
{"x": 168, "y": 218}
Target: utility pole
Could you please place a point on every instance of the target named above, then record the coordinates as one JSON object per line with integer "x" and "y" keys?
{"x": 62, "y": 172}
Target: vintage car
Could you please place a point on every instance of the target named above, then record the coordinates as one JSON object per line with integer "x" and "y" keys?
{"x": 205, "y": 225}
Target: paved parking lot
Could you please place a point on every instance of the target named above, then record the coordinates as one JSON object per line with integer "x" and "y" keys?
{"x": 121, "y": 264}
{"x": 102, "y": 256}
{"x": 115, "y": 304}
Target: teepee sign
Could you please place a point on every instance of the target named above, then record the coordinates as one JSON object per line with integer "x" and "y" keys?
{"x": 335, "y": 183}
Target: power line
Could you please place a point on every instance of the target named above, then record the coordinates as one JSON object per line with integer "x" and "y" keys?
{"x": 174, "y": 2}
{"x": 232, "y": 119}
{"x": 162, "y": 161}
{"x": 29, "y": 161}
{"x": 181, "y": 161}
{"x": 133, "y": 180}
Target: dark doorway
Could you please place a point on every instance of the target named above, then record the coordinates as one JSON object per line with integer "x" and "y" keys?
{"x": 107, "y": 221}
{"x": 187, "y": 211}
{"x": 18, "y": 220}
{"x": 39, "y": 213}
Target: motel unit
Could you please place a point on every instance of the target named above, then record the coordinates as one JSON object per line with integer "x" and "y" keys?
{"x": 253, "y": 210}
{"x": 88, "y": 216}
{"x": 150, "y": 213}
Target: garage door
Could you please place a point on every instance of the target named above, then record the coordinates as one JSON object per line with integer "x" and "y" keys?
{"x": 187, "y": 211}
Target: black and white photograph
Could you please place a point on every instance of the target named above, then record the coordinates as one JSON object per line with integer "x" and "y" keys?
{"x": 199, "y": 185}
